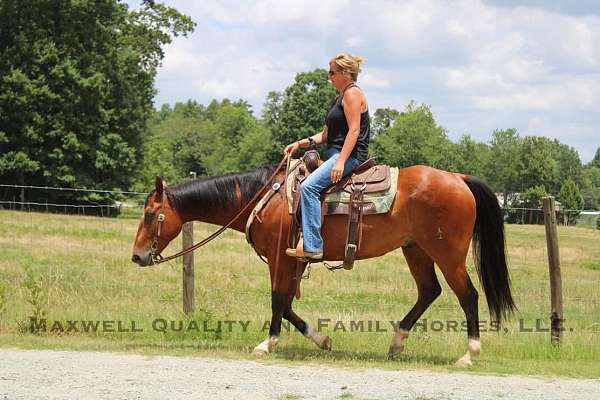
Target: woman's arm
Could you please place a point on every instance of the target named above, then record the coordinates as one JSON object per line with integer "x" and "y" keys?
{"x": 319, "y": 138}
{"x": 352, "y": 111}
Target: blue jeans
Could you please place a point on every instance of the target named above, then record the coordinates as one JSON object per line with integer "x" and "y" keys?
{"x": 310, "y": 198}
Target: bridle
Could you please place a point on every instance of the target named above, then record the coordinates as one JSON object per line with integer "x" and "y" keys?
{"x": 155, "y": 255}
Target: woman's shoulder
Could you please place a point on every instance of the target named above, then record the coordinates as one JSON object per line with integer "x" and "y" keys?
{"x": 354, "y": 92}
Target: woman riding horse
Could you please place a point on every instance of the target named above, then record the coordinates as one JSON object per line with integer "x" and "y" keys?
{"x": 346, "y": 133}
{"x": 434, "y": 217}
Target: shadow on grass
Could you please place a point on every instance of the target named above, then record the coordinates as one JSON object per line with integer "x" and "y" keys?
{"x": 296, "y": 353}
{"x": 284, "y": 352}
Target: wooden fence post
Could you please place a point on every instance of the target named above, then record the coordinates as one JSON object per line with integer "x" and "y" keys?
{"x": 188, "y": 265}
{"x": 556, "y": 300}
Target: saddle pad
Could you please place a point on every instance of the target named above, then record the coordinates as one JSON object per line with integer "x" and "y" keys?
{"x": 375, "y": 202}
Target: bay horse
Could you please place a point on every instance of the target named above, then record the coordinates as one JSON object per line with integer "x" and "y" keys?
{"x": 433, "y": 218}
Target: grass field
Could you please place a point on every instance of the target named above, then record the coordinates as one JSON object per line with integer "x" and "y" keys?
{"x": 76, "y": 268}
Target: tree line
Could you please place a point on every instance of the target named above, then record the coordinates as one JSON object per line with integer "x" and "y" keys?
{"x": 225, "y": 136}
{"x": 76, "y": 92}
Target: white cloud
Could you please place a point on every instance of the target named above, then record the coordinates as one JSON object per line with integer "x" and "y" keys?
{"x": 373, "y": 80}
{"x": 479, "y": 66}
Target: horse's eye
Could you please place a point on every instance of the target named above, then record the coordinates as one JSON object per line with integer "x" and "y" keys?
{"x": 148, "y": 217}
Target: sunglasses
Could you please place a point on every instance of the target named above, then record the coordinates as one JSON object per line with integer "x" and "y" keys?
{"x": 331, "y": 72}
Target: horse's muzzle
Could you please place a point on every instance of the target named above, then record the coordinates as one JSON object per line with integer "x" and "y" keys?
{"x": 142, "y": 261}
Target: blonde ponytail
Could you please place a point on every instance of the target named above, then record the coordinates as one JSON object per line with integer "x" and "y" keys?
{"x": 349, "y": 64}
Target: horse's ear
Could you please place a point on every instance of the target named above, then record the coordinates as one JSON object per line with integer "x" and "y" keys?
{"x": 159, "y": 185}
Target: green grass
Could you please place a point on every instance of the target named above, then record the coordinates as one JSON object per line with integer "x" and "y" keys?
{"x": 80, "y": 270}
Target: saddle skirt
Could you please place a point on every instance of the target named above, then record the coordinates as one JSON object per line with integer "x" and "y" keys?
{"x": 378, "y": 184}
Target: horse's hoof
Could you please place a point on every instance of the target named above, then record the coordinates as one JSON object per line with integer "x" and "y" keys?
{"x": 262, "y": 349}
{"x": 394, "y": 351}
{"x": 464, "y": 362}
{"x": 326, "y": 344}
{"x": 259, "y": 352}
{"x": 266, "y": 346}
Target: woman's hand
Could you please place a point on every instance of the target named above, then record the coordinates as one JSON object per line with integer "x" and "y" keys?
{"x": 337, "y": 171}
{"x": 291, "y": 148}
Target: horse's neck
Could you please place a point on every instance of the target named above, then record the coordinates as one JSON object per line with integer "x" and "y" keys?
{"x": 221, "y": 215}
{"x": 229, "y": 207}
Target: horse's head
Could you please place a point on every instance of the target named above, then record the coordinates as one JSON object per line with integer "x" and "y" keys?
{"x": 160, "y": 224}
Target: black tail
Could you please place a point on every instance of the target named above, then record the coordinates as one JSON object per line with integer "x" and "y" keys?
{"x": 489, "y": 250}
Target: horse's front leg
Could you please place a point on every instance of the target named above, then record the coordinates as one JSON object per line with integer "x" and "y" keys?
{"x": 277, "y": 308}
{"x": 284, "y": 283}
{"x": 269, "y": 344}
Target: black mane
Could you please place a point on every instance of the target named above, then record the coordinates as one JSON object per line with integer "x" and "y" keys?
{"x": 219, "y": 191}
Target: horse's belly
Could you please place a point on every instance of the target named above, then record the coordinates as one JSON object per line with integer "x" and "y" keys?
{"x": 381, "y": 233}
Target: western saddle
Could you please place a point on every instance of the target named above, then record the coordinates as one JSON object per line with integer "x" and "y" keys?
{"x": 343, "y": 198}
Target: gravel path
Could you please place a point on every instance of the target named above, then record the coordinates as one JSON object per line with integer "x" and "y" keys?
{"x": 29, "y": 374}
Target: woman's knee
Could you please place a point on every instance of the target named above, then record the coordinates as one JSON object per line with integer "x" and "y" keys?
{"x": 307, "y": 189}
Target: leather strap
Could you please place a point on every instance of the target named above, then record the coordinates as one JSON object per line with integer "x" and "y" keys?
{"x": 157, "y": 259}
{"x": 354, "y": 228}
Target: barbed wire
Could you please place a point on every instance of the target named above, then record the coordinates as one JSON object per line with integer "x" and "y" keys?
{"x": 146, "y": 193}
{"x": 541, "y": 209}
{"x": 125, "y": 205}
{"x": 351, "y": 306}
{"x": 73, "y": 189}
{"x": 31, "y": 203}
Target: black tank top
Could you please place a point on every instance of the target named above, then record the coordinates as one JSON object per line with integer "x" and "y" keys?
{"x": 337, "y": 129}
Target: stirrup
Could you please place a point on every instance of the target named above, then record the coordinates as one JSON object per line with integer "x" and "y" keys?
{"x": 349, "y": 256}
{"x": 299, "y": 252}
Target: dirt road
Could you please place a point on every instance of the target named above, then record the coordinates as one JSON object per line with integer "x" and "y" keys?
{"x": 28, "y": 374}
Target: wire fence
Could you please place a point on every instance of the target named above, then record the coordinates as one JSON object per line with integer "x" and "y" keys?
{"x": 43, "y": 199}
{"x": 129, "y": 203}
{"x": 119, "y": 202}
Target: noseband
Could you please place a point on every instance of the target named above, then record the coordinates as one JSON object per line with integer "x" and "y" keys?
{"x": 154, "y": 254}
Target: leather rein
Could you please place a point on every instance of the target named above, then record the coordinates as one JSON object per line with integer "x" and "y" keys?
{"x": 157, "y": 258}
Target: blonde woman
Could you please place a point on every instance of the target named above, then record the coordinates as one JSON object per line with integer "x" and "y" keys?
{"x": 346, "y": 134}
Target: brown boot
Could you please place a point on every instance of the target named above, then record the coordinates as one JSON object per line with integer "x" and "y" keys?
{"x": 299, "y": 252}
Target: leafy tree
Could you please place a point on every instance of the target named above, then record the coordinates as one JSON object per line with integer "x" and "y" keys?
{"x": 532, "y": 198}
{"x": 414, "y": 138}
{"x": 503, "y": 167}
{"x": 569, "y": 164}
{"x": 76, "y": 89}
{"x": 596, "y": 160}
{"x": 590, "y": 189}
{"x": 571, "y": 199}
{"x": 538, "y": 166}
{"x": 532, "y": 201}
{"x": 299, "y": 111}
{"x": 382, "y": 120}
{"x": 221, "y": 137}
{"x": 238, "y": 140}
{"x": 471, "y": 156}
{"x": 164, "y": 152}
{"x": 252, "y": 149}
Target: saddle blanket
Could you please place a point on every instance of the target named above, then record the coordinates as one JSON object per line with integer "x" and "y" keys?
{"x": 374, "y": 203}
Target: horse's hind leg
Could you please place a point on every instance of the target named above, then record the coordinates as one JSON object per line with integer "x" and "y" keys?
{"x": 422, "y": 269}
{"x": 461, "y": 285}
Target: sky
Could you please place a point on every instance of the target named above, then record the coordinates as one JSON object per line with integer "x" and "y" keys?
{"x": 481, "y": 65}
